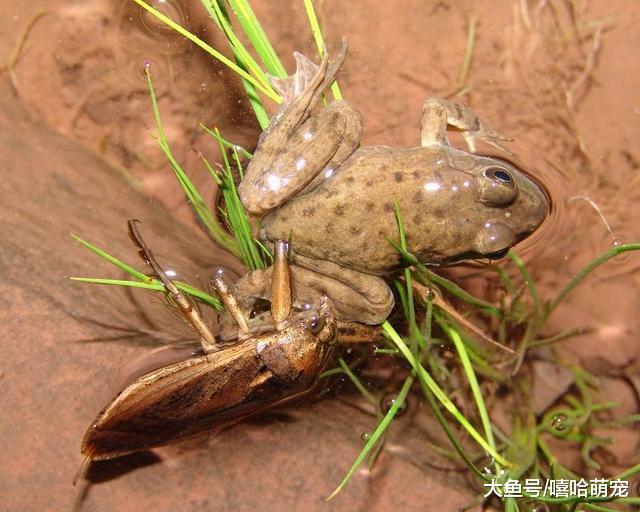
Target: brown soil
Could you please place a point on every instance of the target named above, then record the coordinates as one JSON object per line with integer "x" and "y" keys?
{"x": 78, "y": 156}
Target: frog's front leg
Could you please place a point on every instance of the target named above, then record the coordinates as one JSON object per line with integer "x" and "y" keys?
{"x": 438, "y": 113}
{"x": 299, "y": 144}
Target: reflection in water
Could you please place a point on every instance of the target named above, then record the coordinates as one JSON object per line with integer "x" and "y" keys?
{"x": 172, "y": 9}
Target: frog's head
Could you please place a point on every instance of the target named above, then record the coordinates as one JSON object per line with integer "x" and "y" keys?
{"x": 515, "y": 206}
{"x": 504, "y": 206}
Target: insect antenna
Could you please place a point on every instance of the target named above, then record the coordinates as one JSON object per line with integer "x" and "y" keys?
{"x": 183, "y": 301}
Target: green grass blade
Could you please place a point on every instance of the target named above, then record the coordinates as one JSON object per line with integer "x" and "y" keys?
{"x": 248, "y": 247}
{"x": 429, "y": 276}
{"x": 269, "y": 92}
{"x": 258, "y": 37}
{"x": 603, "y": 258}
{"x": 113, "y": 260}
{"x": 357, "y": 382}
{"x": 531, "y": 286}
{"x": 317, "y": 36}
{"x": 243, "y": 58}
{"x": 194, "y": 197}
{"x": 475, "y": 387}
{"x": 145, "y": 281}
{"x": 219, "y": 14}
{"x": 227, "y": 144}
{"x": 376, "y": 434}
{"x": 156, "y": 286}
{"x": 440, "y": 394}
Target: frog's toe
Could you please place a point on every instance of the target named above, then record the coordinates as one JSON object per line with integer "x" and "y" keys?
{"x": 292, "y": 86}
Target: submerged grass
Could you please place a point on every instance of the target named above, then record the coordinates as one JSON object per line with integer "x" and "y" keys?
{"x": 524, "y": 451}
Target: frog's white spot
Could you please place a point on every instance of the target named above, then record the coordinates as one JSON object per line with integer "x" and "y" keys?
{"x": 328, "y": 173}
{"x": 274, "y": 181}
{"x": 300, "y": 163}
{"x": 455, "y": 188}
{"x": 171, "y": 273}
{"x": 432, "y": 186}
{"x": 307, "y": 135}
{"x": 507, "y": 214}
{"x": 487, "y": 224}
{"x": 466, "y": 184}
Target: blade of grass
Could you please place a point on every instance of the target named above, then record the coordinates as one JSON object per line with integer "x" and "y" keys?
{"x": 258, "y": 37}
{"x": 227, "y": 144}
{"x": 144, "y": 280}
{"x": 475, "y": 388}
{"x": 317, "y": 36}
{"x": 243, "y": 58}
{"x": 357, "y": 382}
{"x": 450, "y": 286}
{"x": 194, "y": 197}
{"x": 440, "y": 395}
{"x": 154, "y": 285}
{"x": 269, "y": 92}
{"x": 603, "y": 258}
{"x": 113, "y": 260}
{"x": 376, "y": 434}
{"x": 250, "y": 251}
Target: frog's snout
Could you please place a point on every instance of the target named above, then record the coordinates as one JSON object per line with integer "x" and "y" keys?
{"x": 494, "y": 240}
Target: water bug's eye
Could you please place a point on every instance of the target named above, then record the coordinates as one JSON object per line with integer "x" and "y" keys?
{"x": 498, "y": 255}
{"x": 499, "y": 174}
{"x": 315, "y": 325}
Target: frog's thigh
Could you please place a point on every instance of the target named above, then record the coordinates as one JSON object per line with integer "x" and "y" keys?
{"x": 356, "y": 296}
{"x": 340, "y": 126}
{"x": 323, "y": 141}
{"x": 438, "y": 113}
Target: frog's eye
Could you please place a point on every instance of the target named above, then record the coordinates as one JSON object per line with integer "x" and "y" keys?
{"x": 496, "y": 186}
{"x": 498, "y": 255}
{"x": 500, "y": 174}
{"x": 315, "y": 325}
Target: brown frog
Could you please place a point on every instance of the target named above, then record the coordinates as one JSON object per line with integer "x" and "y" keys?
{"x": 310, "y": 182}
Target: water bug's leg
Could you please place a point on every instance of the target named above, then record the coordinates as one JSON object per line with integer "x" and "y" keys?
{"x": 354, "y": 332}
{"x": 281, "y": 294}
{"x": 231, "y": 305}
{"x": 183, "y": 301}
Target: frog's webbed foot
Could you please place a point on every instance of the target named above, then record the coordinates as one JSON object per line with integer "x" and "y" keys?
{"x": 438, "y": 113}
{"x": 291, "y": 87}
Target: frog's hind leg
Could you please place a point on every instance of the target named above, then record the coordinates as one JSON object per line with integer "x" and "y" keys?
{"x": 355, "y": 296}
{"x": 438, "y": 113}
{"x": 300, "y": 143}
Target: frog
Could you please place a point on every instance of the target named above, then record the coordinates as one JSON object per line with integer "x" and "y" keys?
{"x": 311, "y": 182}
